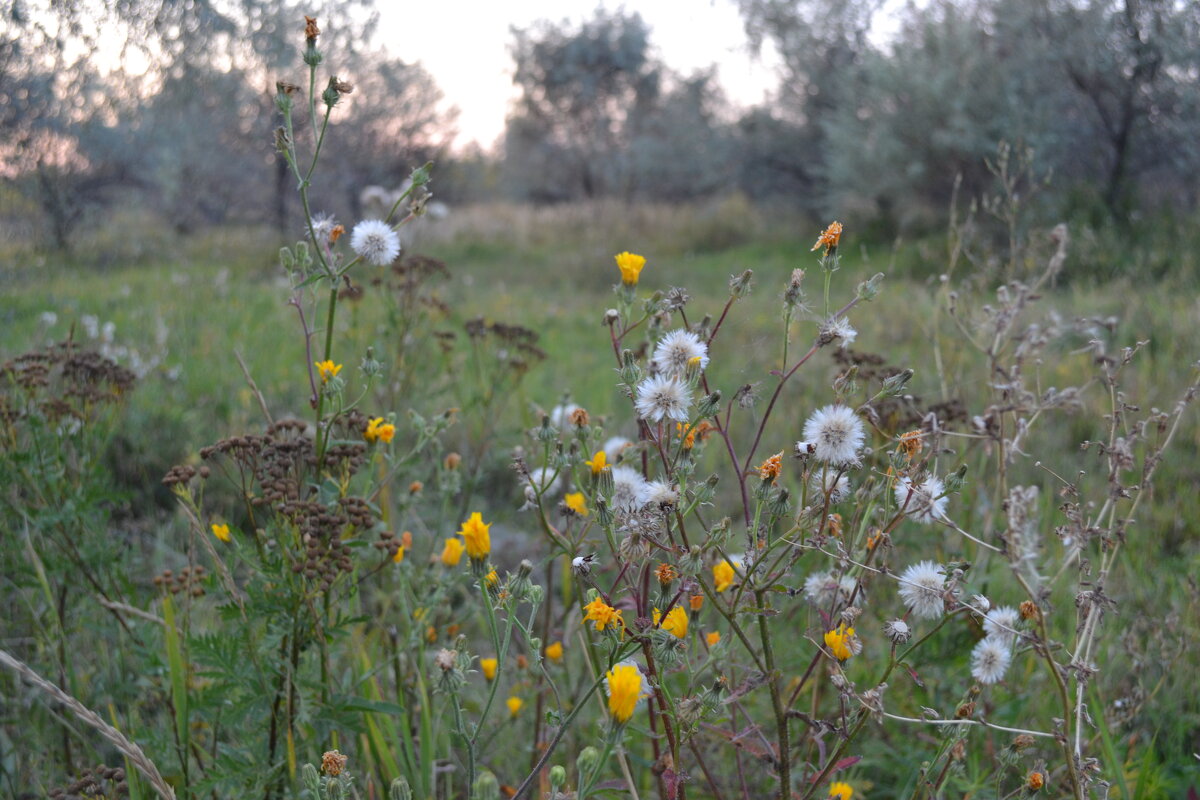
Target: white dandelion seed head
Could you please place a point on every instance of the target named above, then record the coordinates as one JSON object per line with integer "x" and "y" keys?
{"x": 897, "y": 630}
{"x": 546, "y": 480}
{"x": 661, "y": 495}
{"x": 922, "y": 589}
{"x": 676, "y": 350}
{"x": 990, "y": 659}
{"x": 322, "y": 227}
{"x": 1001, "y": 622}
{"x": 828, "y": 481}
{"x": 629, "y": 490}
{"x": 374, "y": 240}
{"x": 560, "y": 417}
{"x": 662, "y": 397}
{"x": 820, "y": 588}
{"x": 48, "y": 318}
{"x": 839, "y": 329}
{"x": 922, "y": 500}
{"x": 614, "y": 447}
{"x": 980, "y": 603}
{"x": 836, "y": 433}
{"x": 846, "y": 585}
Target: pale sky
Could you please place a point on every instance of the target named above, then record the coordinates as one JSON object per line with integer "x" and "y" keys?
{"x": 464, "y": 45}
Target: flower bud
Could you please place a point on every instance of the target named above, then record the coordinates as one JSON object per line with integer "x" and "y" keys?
{"x": 709, "y": 405}
{"x": 588, "y": 760}
{"x": 400, "y": 790}
{"x": 558, "y": 776}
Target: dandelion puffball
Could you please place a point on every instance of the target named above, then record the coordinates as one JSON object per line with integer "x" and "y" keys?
{"x": 676, "y": 350}
{"x": 375, "y": 241}
{"x": 923, "y": 500}
{"x": 990, "y": 659}
{"x": 921, "y": 589}
{"x": 662, "y": 397}
{"x": 836, "y": 433}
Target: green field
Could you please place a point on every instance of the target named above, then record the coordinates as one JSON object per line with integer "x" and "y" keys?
{"x": 188, "y": 313}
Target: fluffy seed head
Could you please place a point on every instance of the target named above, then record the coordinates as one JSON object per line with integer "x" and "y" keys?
{"x": 990, "y": 659}
{"x": 1001, "y": 622}
{"x": 662, "y": 397}
{"x": 922, "y": 500}
{"x": 921, "y": 589}
{"x": 629, "y": 490}
{"x": 836, "y": 433}
{"x": 676, "y": 350}
{"x": 375, "y": 241}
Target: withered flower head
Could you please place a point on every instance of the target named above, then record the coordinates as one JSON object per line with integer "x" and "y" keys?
{"x": 333, "y": 762}
{"x": 311, "y": 31}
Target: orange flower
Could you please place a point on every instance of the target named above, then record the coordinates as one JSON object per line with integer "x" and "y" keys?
{"x": 769, "y": 470}
{"x": 604, "y": 615}
{"x": 829, "y": 238}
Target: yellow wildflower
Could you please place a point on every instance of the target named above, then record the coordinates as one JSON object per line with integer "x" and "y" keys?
{"x": 554, "y": 652}
{"x": 723, "y": 575}
{"x": 675, "y": 623}
{"x": 488, "y": 665}
{"x": 575, "y": 502}
{"x": 221, "y": 532}
{"x": 452, "y": 552}
{"x": 475, "y": 534}
{"x": 840, "y": 642}
{"x": 712, "y": 638}
{"x": 328, "y": 369}
{"x": 399, "y": 556}
{"x": 624, "y": 690}
{"x": 599, "y": 462}
{"x": 840, "y": 791}
{"x": 603, "y": 615}
{"x": 492, "y": 579}
{"x": 630, "y": 265}
{"x": 379, "y": 431}
{"x": 687, "y": 433}
{"x": 829, "y": 238}
{"x": 514, "y": 705}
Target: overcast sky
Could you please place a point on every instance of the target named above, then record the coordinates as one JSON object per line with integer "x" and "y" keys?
{"x": 464, "y": 45}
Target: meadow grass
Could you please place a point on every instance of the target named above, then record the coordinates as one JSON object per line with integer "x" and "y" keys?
{"x": 552, "y": 272}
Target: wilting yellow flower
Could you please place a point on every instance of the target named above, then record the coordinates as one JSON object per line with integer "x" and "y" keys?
{"x": 603, "y": 615}
{"x": 599, "y": 462}
{"x": 769, "y": 470}
{"x": 576, "y": 503}
{"x": 840, "y": 642}
{"x": 379, "y": 431}
{"x": 829, "y": 238}
{"x": 630, "y": 265}
{"x": 452, "y": 552}
{"x": 399, "y": 554}
{"x": 431, "y": 634}
{"x": 723, "y": 575}
{"x": 488, "y": 665}
{"x": 492, "y": 579}
{"x": 712, "y": 638}
{"x": 624, "y": 690}
{"x": 221, "y": 532}
{"x": 328, "y": 369}
{"x": 333, "y": 762}
{"x": 840, "y": 791}
{"x": 475, "y": 534}
{"x": 696, "y": 601}
{"x": 514, "y": 705}
{"x": 554, "y": 652}
{"x": 675, "y": 623}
